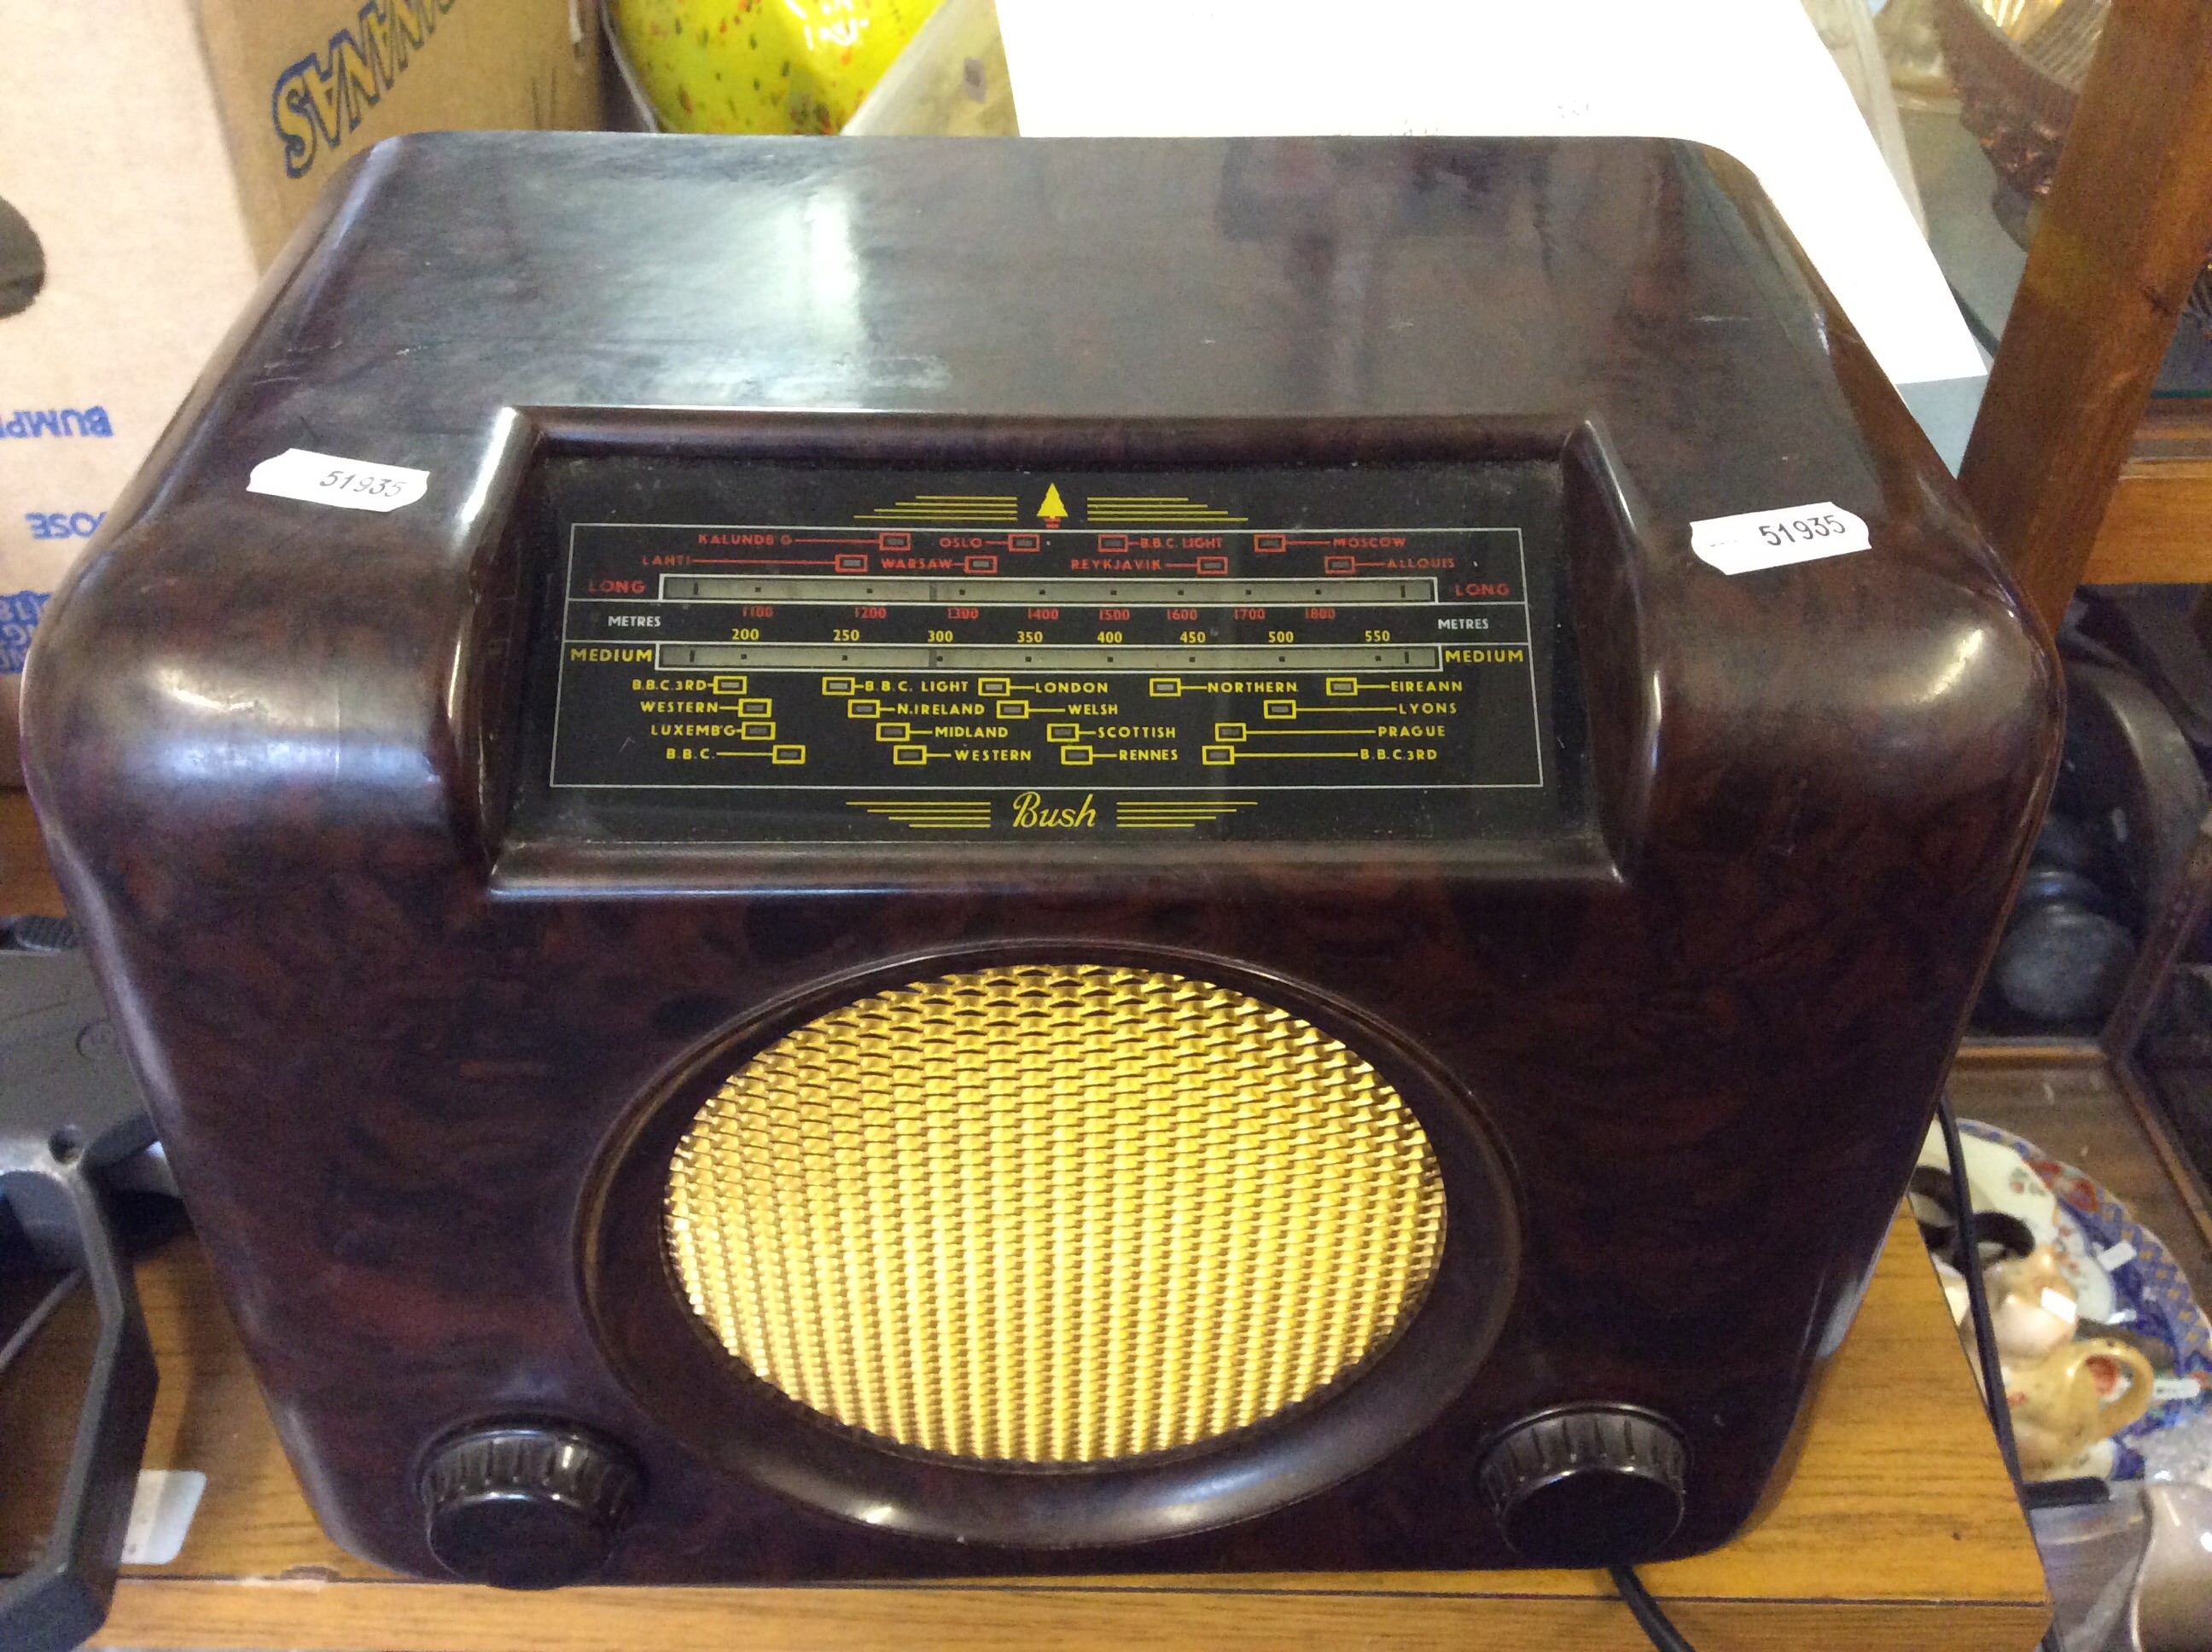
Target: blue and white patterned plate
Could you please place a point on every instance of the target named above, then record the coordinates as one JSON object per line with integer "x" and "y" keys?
{"x": 2150, "y": 1286}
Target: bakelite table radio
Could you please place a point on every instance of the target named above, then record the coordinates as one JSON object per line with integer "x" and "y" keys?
{"x": 875, "y": 860}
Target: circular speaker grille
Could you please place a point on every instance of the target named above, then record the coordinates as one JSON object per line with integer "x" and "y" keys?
{"x": 1055, "y": 1214}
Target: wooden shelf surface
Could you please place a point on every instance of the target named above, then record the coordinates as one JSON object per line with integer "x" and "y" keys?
{"x": 2158, "y": 529}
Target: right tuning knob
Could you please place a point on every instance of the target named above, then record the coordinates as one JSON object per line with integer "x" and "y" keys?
{"x": 1591, "y": 1485}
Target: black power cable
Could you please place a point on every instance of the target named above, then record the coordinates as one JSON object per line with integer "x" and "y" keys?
{"x": 1653, "y": 1622}
{"x": 1966, "y": 1256}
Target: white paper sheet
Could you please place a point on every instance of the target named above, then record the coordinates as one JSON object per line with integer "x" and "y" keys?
{"x": 1749, "y": 76}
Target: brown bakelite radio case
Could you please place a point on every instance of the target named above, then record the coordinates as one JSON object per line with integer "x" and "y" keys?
{"x": 1037, "y": 857}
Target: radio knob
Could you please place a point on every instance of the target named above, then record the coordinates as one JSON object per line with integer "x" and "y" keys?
{"x": 1591, "y": 1486}
{"x": 526, "y": 1506}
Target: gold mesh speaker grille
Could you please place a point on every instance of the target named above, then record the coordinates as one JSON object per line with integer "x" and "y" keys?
{"x": 1055, "y": 1214}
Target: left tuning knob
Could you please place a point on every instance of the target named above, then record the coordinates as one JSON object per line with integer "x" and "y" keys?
{"x": 526, "y": 1506}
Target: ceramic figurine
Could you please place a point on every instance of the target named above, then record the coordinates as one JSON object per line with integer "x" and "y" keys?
{"x": 2032, "y": 1304}
{"x": 2066, "y": 1393}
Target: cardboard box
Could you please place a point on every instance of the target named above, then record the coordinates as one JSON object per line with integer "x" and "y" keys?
{"x": 305, "y": 85}
{"x": 154, "y": 154}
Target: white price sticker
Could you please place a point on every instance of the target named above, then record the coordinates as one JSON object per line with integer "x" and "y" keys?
{"x": 351, "y": 484}
{"x": 2116, "y": 1255}
{"x": 1758, "y": 539}
{"x": 2059, "y": 1305}
{"x": 2164, "y": 1388}
{"x": 162, "y": 1511}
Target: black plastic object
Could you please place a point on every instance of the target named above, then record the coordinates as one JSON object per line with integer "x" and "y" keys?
{"x": 2127, "y": 805}
{"x": 22, "y": 261}
{"x": 526, "y": 1506}
{"x": 2066, "y": 844}
{"x": 2065, "y": 955}
{"x": 1594, "y": 1486}
{"x": 2067, "y": 947}
{"x": 39, "y": 932}
{"x": 1935, "y": 1207}
{"x": 68, "y": 1109}
{"x": 2149, "y": 628}
{"x": 2130, "y": 775}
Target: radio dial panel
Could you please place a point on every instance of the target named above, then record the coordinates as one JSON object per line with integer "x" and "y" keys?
{"x": 784, "y": 653}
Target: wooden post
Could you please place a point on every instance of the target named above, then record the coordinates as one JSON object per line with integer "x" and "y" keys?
{"x": 2125, "y": 231}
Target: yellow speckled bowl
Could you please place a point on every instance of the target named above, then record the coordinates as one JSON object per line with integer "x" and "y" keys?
{"x": 762, "y": 65}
